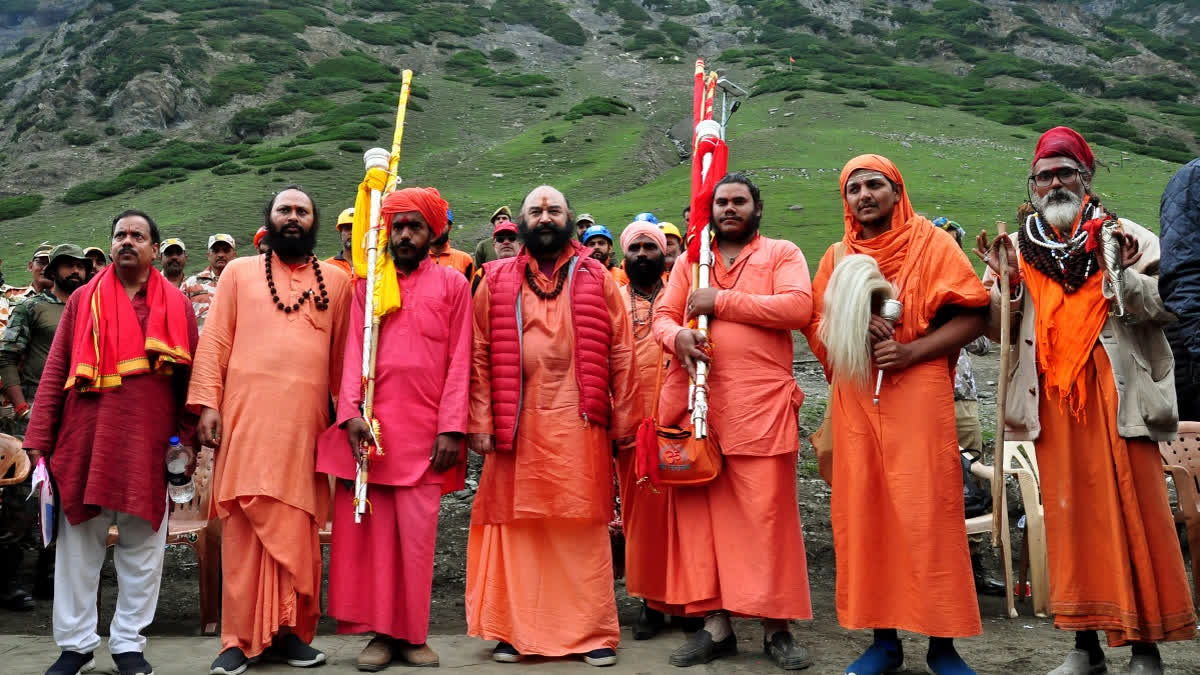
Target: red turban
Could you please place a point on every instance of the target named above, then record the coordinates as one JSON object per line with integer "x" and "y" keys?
{"x": 1065, "y": 142}
{"x": 428, "y": 201}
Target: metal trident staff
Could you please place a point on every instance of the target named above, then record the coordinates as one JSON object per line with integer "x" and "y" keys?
{"x": 376, "y": 158}
{"x": 708, "y": 146}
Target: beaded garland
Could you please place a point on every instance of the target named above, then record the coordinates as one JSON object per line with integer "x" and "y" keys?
{"x": 321, "y": 303}
{"x": 558, "y": 287}
{"x": 647, "y": 318}
{"x": 1070, "y": 262}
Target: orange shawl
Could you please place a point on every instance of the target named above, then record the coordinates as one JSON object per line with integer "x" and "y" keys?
{"x": 109, "y": 342}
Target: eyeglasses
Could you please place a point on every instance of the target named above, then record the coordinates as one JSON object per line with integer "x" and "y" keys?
{"x": 505, "y": 238}
{"x": 1065, "y": 175}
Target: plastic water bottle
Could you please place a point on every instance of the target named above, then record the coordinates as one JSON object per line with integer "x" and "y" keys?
{"x": 180, "y": 487}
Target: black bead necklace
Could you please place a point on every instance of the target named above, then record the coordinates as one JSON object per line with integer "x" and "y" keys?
{"x": 558, "y": 287}
{"x": 321, "y": 303}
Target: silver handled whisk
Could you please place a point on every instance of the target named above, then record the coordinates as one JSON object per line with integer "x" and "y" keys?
{"x": 889, "y": 312}
{"x": 1114, "y": 280}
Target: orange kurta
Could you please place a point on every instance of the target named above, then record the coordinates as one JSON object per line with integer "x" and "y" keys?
{"x": 270, "y": 375}
{"x": 1115, "y": 563}
{"x": 643, "y": 511}
{"x": 897, "y": 504}
{"x": 736, "y": 543}
{"x": 459, "y": 260}
{"x": 539, "y": 563}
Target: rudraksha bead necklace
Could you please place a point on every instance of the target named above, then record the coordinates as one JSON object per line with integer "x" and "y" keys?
{"x": 321, "y": 303}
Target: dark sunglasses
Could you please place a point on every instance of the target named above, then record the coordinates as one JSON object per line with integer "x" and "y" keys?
{"x": 506, "y": 238}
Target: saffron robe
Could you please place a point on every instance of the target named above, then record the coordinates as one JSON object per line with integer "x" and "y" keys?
{"x": 422, "y": 376}
{"x": 270, "y": 375}
{"x": 899, "y": 533}
{"x": 539, "y": 561}
{"x": 736, "y": 544}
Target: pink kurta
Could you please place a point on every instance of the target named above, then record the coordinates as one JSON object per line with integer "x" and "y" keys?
{"x": 422, "y": 376}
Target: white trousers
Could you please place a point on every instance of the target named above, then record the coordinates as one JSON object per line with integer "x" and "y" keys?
{"x": 138, "y": 558}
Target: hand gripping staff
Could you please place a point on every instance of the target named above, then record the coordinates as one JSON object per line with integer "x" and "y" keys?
{"x": 710, "y": 157}
{"x": 379, "y": 272}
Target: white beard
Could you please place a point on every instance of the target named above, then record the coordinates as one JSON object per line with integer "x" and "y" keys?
{"x": 1060, "y": 214}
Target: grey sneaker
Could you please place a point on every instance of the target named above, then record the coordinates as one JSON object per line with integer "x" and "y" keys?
{"x": 232, "y": 661}
{"x": 1078, "y": 663}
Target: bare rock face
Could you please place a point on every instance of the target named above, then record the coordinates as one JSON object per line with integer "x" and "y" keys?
{"x": 153, "y": 101}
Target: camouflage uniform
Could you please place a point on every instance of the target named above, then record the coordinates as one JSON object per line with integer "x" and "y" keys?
{"x": 201, "y": 288}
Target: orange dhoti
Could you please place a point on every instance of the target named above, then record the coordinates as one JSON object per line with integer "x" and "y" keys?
{"x": 899, "y": 533}
{"x": 644, "y": 522}
{"x": 1115, "y": 562}
{"x": 736, "y": 544}
{"x": 543, "y": 585}
{"x": 271, "y": 562}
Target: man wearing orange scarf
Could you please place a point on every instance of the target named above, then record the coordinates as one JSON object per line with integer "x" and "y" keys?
{"x": 897, "y": 504}
{"x": 111, "y": 395}
{"x": 1095, "y": 393}
{"x": 269, "y": 360}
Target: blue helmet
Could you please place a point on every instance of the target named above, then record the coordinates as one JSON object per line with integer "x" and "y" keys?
{"x": 450, "y": 216}
{"x": 647, "y": 216}
{"x": 597, "y": 231}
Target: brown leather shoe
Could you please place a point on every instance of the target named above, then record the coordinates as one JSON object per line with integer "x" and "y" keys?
{"x": 376, "y": 656}
{"x": 420, "y": 656}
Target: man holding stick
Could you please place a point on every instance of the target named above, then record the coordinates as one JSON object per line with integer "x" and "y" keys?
{"x": 897, "y": 505}
{"x": 1095, "y": 394}
{"x": 381, "y": 570}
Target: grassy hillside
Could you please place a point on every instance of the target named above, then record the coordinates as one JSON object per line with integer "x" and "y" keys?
{"x": 197, "y": 110}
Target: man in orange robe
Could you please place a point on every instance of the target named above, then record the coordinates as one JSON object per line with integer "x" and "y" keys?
{"x": 268, "y": 361}
{"x": 734, "y": 546}
{"x": 1096, "y": 394}
{"x": 446, "y": 256}
{"x": 897, "y": 506}
{"x": 553, "y": 385}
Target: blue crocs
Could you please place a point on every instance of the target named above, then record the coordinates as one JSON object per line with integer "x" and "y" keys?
{"x": 946, "y": 662}
{"x": 883, "y": 656}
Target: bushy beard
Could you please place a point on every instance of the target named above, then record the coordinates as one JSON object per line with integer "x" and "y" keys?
{"x": 289, "y": 247}
{"x": 751, "y": 227}
{"x": 645, "y": 271}
{"x": 533, "y": 242}
{"x": 421, "y": 254}
{"x": 1059, "y": 207}
{"x": 172, "y": 268}
{"x": 601, "y": 256}
{"x": 69, "y": 284}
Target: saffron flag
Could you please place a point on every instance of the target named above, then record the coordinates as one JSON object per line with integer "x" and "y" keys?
{"x": 717, "y": 153}
{"x": 387, "y": 285}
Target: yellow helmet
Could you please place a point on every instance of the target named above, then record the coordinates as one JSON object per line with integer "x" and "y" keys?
{"x": 346, "y": 217}
{"x": 670, "y": 230}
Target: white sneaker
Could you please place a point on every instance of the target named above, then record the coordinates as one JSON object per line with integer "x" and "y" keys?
{"x": 1077, "y": 663}
{"x": 1142, "y": 664}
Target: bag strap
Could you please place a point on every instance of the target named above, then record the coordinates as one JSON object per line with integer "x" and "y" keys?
{"x": 839, "y": 252}
{"x": 662, "y": 352}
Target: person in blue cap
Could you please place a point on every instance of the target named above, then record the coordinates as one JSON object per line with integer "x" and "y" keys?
{"x": 600, "y": 240}
{"x": 646, "y": 216}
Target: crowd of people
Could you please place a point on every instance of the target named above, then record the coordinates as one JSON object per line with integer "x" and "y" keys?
{"x": 544, "y": 356}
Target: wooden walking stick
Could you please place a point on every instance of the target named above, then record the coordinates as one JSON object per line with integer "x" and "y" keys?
{"x": 1001, "y": 537}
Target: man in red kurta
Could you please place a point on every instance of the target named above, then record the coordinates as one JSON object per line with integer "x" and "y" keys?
{"x": 553, "y": 384}
{"x": 734, "y": 546}
{"x": 111, "y": 397}
{"x": 270, "y": 358}
{"x": 381, "y": 569}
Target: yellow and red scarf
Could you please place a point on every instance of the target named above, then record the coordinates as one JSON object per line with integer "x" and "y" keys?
{"x": 109, "y": 343}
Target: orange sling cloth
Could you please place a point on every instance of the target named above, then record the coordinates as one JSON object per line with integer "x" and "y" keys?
{"x": 109, "y": 343}
{"x": 737, "y": 544}
{"x": 1067, "y": 329}
{"x": 1115, "y": 562}
{"x": 897, "y": 504}
{"x": 539, "y": 559}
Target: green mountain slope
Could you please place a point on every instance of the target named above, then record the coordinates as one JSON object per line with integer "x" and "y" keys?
{"x": 197, "y": 110}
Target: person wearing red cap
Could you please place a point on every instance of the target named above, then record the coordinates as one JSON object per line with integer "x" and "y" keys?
{"x": 268, "y": 361}
{"x": 1095, "y": 393}
{"x": 553, "y": 386}
{"x": 505, "y": 242}
{"x": 381, "y": 570}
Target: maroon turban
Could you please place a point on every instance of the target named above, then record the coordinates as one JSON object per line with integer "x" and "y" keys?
{"x": 428, "y": 201}
{"x": 1065, "y": 142}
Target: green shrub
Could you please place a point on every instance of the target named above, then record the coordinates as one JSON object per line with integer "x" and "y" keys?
{"x": 854, "y": 103}
{"x": 318, "y": 164}
{"x": 677, "y": 32}
{"x": 503, "y": 55}
{"x": 229, "y": 169}
{"x": 141, "y": 141}
{"x": 110, "y": 131}
{"x": 625, "y": 9}
{"x": 79, "y": 138}
{"x": 250, "y": 122}
{"x": 354, "y": 131}
{"x": 19, "y": 207}
{"x": 240, "y": 79}
{"x": 320, "y": 86}
{"x": 354, "y": 66}
{"x": 377, "y": 122}
{"x": 907, "y": 97}
{"x": 1169, "y": 143}
{"x": 551, "y": 139}
{"x": 264, "y": 170}
{"x": 678, "y": 7}
{"x": 272, "y": 56}
{"x": 378, "y": 33}
{"x": 290, "y": 166}
{"x": 597, "y": 105}
{"x": 1106, "y": 114}
{"x": 351, "y": 147}
{"x": 780, "y": 81}
{"x": 548, "y": 16}
{"x": 352, "y": 112}
{"x": 104, "y": 150}
{"x": 273, "y": 155}
{"x": 792, "y": 96}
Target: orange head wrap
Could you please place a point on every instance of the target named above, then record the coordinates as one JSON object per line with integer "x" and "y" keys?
{"x": 258, "y": 236}
{"x": 427, "y": 201}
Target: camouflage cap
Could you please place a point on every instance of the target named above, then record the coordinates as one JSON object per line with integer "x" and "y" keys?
{"x": 42, "y": 251}
{"x": 67, "y": 251}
